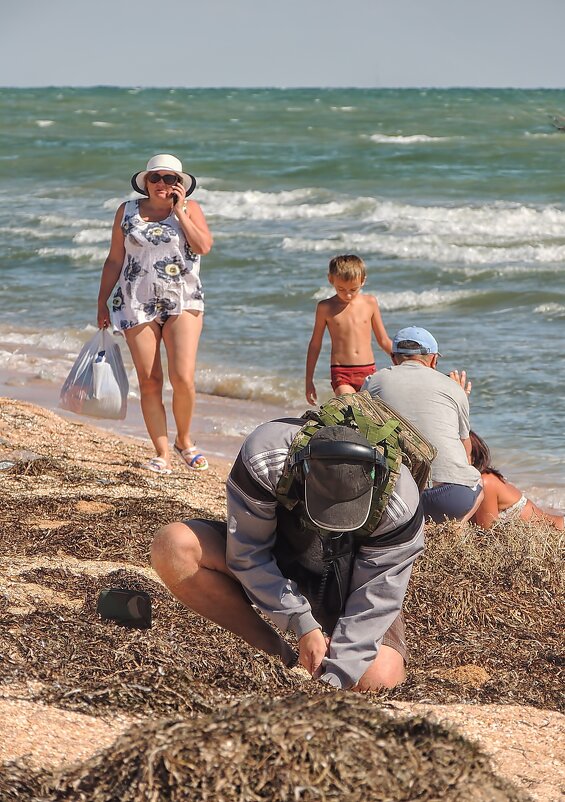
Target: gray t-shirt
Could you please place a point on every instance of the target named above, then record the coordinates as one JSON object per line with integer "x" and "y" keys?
{"x": 438, "y": 407}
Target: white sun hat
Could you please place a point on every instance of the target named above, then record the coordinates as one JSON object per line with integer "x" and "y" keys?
{"x": 163, "y": 161}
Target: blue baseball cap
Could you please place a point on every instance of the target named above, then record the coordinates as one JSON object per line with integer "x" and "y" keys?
{"x": 427, "y": 343}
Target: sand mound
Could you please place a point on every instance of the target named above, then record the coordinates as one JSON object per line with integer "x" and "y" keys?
{"x": 329, "y": 747}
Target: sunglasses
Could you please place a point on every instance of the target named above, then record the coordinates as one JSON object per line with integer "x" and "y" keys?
{"x": 169, "y": 180}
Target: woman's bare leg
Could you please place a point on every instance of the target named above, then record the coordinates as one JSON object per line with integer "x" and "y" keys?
{"x": 531, "y": 512}
{"x": 144, "y": 342}
{"x": 181, "y": 334}
{"x": 191, "y": 562}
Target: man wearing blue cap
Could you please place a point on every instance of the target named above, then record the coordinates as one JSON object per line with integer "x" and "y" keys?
{"x": 439, "y": 407}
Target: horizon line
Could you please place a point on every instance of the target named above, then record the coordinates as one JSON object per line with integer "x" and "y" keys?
{"x": 285, "y": 88}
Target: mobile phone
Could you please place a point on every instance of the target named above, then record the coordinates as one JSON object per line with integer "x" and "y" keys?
{"x": 175, "y": 198}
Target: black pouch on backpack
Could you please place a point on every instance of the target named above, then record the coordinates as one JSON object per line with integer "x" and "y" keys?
{"x": 132, "y": 608}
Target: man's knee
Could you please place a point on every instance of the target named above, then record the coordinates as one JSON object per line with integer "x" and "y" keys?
{"x": 175, "y": 547}
{"x": 386, "y": 671}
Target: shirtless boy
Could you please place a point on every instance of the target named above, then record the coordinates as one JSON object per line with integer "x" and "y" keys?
{"x": 350, "y": 316}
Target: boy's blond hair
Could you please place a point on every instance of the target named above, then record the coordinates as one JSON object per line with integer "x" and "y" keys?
{"x": 348, "y": 267}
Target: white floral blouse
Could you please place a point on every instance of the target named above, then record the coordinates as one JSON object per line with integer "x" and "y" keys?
{"x": 160, "y": 276}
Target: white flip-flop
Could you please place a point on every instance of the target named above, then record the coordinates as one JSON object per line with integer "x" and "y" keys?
{"x": 157, "y": 465}
{"x": 190, "y": 456}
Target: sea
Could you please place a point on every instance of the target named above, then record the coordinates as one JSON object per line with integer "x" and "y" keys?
{"x": 453, "y": 197}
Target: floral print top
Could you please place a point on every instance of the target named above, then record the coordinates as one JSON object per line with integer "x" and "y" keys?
{"x": 160, "y": 276}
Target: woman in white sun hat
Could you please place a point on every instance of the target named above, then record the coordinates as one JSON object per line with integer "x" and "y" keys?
{"x": 154, "y": 269}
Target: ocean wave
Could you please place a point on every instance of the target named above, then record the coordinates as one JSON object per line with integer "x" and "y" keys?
{"x": 102, "y": 124}
{"x": 493, "y": 224}
{"x": 47, "y": 341}
{"x": 409, "y": 299}
{"x": 298, "y": 204}
{"x": 111, "y": 204}
{"x": 91, "y": 236}
{"x": 49, "y": 355}
{"x": 265, "y": 388}
{"x": 84, "y": 254}
{"x": 399, "y": 139}
{"x": 35, "y": 366}
{"x": 63, "y": 221}
{"x": 427, "y": 248}
{"x": 44, "y": 123}
{"x": 505, "y": 270}
{"x": 551, "y": 310}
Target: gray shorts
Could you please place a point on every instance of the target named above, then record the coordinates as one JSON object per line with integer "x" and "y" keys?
{"x": 449, "y": 501}
{"x": 395, "y": 636}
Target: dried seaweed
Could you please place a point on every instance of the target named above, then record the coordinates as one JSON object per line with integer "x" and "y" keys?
{"x": 181, "y": 665}
{"x": 123, "y": 534}
{"x": 304, "y": 748}
{"x": 492, "y": 600}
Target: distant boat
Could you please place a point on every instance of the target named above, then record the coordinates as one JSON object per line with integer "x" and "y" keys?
{"x": 559, "y": 123}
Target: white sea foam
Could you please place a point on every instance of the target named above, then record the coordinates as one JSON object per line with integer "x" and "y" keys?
{"x": 113, "y": 203}
{"x": 26, "y": 233}
{"x": 506, "y": 270}
{"x": 34, "y": 366}
{"x": 102, "y": 124}
{"x": 398, "y": 139}
{"x": 47, "y": 355}
{"x": 491, "y": 234}
{"x": 460, "y": 232}
{"x": 494, "y": 222}
{"x": 44, "y": 123}
{"x": 54, "y": 221}
{"x": 90, "y": 236}
{"x": 299, "y": 204}
{"x": 408, "y": 299}
{"x": 427, "y": 248}
{"x": 551, "y": 310}
{"x": 77, "y": 254}
{"x": 48, "y": 341}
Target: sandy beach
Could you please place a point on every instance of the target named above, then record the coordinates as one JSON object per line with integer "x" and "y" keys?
{"x": 78, "y": 515}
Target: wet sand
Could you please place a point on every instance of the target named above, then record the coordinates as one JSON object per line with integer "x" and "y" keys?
{"x": 219, "y": 424}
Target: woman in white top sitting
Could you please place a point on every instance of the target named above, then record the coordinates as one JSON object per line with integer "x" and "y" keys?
{"x": 502, "y": 501}
{"x": 154, "y": 269}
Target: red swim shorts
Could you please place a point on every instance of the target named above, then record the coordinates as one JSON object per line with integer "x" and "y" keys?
{"x": 354, "y": 375}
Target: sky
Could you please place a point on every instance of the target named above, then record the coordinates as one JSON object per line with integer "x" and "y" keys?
{"x": 283, "y": 43}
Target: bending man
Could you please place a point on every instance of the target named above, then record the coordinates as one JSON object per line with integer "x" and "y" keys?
{"x": 301, "y": 555}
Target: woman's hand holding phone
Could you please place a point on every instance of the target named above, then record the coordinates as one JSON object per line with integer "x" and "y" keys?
{"x": 179, "y": 194}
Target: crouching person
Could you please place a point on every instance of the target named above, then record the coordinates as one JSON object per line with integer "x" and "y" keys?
{"x": 318, "y": 538}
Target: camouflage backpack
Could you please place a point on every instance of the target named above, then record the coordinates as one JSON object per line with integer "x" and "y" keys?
{"x": 395, "y": 438}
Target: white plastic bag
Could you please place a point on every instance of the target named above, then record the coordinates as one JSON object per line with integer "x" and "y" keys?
{"x": 97, "y": 385}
